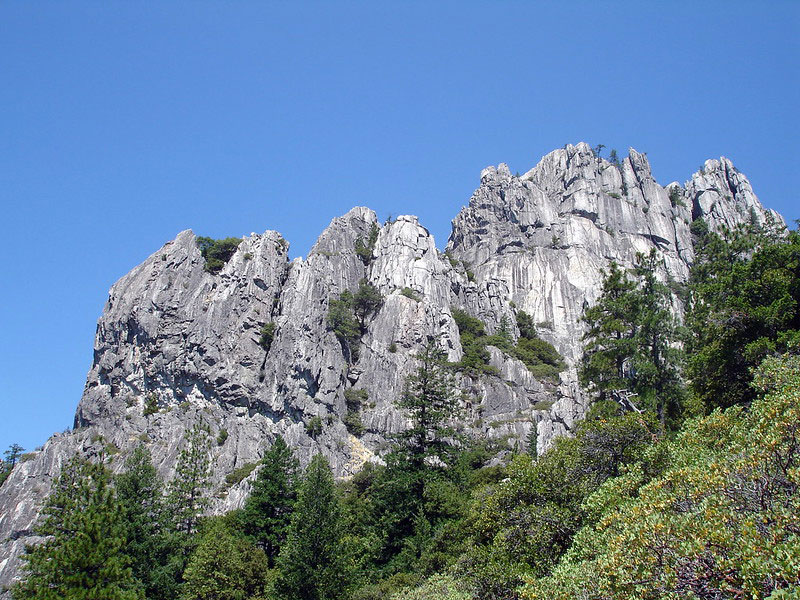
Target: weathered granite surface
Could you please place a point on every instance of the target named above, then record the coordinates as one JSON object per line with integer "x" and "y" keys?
{"x": 188, "y": 339}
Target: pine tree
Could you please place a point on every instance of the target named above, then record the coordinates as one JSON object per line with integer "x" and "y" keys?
{"x": 311, "y": 563}
{"x": 266, "y": 515}
{"x": 342, "y": 321}
{"x": 366, "y": 301}
{"x": 745, "y": 306}
{"x": 430, "y": 400}
{"x": 12, "y": 455}
{"x": 630, "y": 342}
{"x": 141, "y": 507}
{"x": 186, "y": 501}
{"x": 656, "y": 375}
{"x": 610, "y": 343}
{"x": 82, "y": 557}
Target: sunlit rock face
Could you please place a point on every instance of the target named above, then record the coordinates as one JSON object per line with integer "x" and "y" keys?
{"x": 186, "y": 342}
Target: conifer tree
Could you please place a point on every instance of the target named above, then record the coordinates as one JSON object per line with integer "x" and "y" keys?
{"x": 430, "y": 400}
{"x": 610, "y": 343}
{"x": 630, "y": 340}
{"x": 266, "y": 515}
{"x": 744, "y": 306}
{"x": 657, "y": 378}
{"x": 311, "y": 563}
{"x": 186, "y": 501}
{"x": 82, "y": 557}
{"x": 12, "y": 455}
{"x": 139, "y": 491}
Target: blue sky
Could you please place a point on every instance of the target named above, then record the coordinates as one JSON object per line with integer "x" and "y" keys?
{"x": 123, "y": 123}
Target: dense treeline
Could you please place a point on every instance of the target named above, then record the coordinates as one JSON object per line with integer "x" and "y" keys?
{"x": 666, "y": 490}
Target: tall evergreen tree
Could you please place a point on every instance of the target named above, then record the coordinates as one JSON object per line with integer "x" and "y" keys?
{"x": 311, "y": 563}
{"x": 139, "y": 491}
{"x": 12, "y": 456}
{"x": 186, "y": 500}
{"x": 609, "y": 340}
{"x": 745, "y": 306}
{"x": 400, "y": 505}
{"x": 430, "y": 400}
{"x": 630, "y": 342}
{"x": 82, "y": 557}
{"x": 656, "y": 362}
{"x": 266, "y": 515}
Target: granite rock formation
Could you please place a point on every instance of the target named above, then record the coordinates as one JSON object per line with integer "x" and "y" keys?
{"x": 176, "y": 344}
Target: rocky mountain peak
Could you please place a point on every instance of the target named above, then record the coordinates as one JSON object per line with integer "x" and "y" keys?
{"x": 723, "y": 197}
{"x": 178, "y": 343}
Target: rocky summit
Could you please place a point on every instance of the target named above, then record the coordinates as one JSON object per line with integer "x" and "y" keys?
{"x": 178, "y": 344}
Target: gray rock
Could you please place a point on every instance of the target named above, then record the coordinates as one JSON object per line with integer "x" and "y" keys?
{"x": 173, "y": 333}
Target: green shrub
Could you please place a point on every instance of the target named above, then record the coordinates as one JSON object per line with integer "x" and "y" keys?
{"x": 541, "y": 358}
{"x": 314, "y": 426}
{"x": 543, "y": 405}
{"x": 392, "y": 347}
{"x": 267, "y": 334}
{"x": 355, "y": 398}
{"x": 720, "y": 517}
{"x": 342, "y": 321}
{"x": 366, "y": 302}
{"x": 222, "y": 436}
{"x": 699, "y": 227}
{"x": 352, "y": 421}
{"x": 348, "y": 315}
{"x": 365, "y": 247}
{"x": 675, "y": 197}
{"x": 217, "y": 252}
{"x": 240, "y": 474}
{"x": 475, "y": 357}
{"x": 150, "y": 404}
{"x": 409, "y": 293}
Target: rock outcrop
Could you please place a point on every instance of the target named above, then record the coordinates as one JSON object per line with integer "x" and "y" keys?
{"x": 176, "y": 344}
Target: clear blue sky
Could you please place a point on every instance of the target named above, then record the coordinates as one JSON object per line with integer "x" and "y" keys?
{"x": 123, "y": 123}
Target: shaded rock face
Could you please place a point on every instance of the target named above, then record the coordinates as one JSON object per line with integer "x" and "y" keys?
{"x": 184, "y": 342}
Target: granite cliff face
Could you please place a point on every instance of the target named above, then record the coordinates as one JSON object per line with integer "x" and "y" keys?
{"x": 177, "y": 336}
